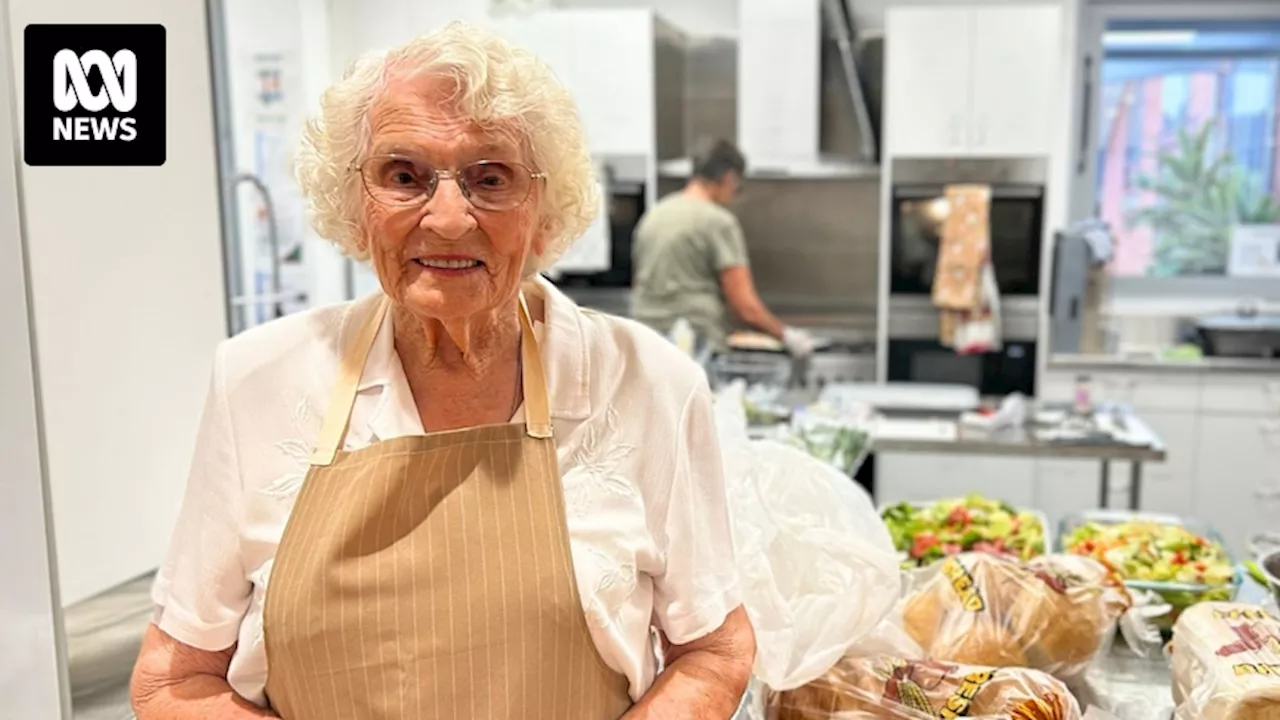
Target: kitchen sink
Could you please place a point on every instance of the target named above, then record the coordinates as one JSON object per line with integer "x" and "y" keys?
{"x": 1242, "y": 335}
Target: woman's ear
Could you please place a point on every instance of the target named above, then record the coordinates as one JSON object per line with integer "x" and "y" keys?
{"x": 542, "y": 236}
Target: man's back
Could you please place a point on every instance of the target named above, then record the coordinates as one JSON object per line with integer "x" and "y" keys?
{"x": 681, "y": 247}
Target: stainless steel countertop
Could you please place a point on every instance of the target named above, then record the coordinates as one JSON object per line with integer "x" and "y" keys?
{"x": 1133, "y": 688}
{"x": 1020, "y": 443}
{"x": 1144, "y": 363}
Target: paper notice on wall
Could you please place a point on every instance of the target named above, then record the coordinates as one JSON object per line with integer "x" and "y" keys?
{"x": 592, "y": 253}
{"x": 1255, "y": 251}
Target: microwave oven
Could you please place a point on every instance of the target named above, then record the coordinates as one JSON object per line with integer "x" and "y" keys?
{"x": 918, "y": 208}
{"x": 994, "y": 374}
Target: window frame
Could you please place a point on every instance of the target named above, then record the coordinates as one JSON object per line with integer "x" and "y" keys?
{"x": 1097, "y": 16}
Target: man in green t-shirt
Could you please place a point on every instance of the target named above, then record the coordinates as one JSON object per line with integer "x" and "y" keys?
{"x": 691, "y": 260}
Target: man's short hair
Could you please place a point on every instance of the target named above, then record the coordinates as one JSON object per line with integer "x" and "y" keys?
{"x": 718, "y": 158}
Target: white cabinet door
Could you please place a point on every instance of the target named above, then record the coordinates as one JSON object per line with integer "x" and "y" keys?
{"x": 1238, "y": 464}
{"x": 1168, "y": 487}
{"x": 779, "y": 79}
{"x": 1018, "y": 86}
{"x": 907, "y": 477}
{"x": 610, "y": 70}
{"x": 604, "y": 58}
{"x": 1067, "y": 487}
{"x": 928, "y": 79}
{"x": 934, "y": 476}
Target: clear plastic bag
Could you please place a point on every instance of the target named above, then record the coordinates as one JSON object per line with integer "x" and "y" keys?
{"x": 1055, "y": 613}
{"x": 817, "y": 568}
{"x": 1226, "y": 663}
{"x": 889, "y": 688}
{"x": 838, "y": 437}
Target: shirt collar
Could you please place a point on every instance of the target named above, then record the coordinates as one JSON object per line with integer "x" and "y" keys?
{"x": 384, "y": 406}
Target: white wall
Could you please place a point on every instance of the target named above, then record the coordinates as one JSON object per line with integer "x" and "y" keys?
{"x": 29, "y": 667}
{"x": 127, "y": 300}
{"x": 719, "y": 18}
{"x": 696, "y": 17}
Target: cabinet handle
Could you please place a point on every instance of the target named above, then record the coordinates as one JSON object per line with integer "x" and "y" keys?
{"x": 1086, "y": 120}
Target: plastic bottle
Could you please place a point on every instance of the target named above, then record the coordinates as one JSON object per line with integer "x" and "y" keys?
{"x": 684, "y": 337}
{"x": 1082, "y": 402}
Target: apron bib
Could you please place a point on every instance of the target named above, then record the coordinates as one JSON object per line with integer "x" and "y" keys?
{"x": 430, "y": 576}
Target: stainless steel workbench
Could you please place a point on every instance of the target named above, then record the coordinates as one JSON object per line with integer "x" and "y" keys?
{"x": 1133, "y": 688}
{"x": 1022, "y": 442}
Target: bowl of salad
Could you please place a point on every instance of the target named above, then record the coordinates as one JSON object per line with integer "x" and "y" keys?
{"x": 928, "y": 532}
{"x": 1183, "y": 562}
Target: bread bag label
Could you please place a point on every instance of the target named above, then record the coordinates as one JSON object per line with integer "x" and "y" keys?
{"x": 958, "y": 704}
{"x": 1270, "y": 669}
{"x": 1243, "y": 614}
{"x": 962, "y": 582}
{"x": 1252, "y": 636}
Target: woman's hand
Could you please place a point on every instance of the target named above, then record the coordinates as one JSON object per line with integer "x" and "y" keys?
{"x": 174, "y": 681}
{"x": 705, "y": 679}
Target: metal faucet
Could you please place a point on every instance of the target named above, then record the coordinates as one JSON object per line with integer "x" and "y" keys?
{"x": 273, "y": 240}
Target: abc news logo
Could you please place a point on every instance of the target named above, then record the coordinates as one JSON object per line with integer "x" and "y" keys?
{"x": 107, "y": 105}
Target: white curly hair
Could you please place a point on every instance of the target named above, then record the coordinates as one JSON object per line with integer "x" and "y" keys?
{"x": 500, "y": 87}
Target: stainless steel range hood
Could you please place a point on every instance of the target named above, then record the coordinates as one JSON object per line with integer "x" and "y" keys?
{"x": 848, "y": 147}
{"x": 839, "y": 15}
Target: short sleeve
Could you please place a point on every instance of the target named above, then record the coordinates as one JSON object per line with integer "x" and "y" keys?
{"x": 728, "y": 247}
{"x": 698, "y": 587}
{"x": 201, "y": 592}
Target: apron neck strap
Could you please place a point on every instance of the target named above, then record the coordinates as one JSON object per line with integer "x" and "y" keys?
{"x": 342, "y": 397}
{"x": 537, "y": 411}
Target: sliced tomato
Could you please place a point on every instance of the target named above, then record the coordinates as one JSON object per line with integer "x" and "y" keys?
{"x": 923, "y": 543}
{"x": 959, "y": 516}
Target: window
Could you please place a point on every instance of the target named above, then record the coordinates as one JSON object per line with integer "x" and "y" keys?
{"x": 1188, "y": 143}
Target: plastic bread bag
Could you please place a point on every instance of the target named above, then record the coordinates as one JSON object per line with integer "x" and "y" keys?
{"x": 817, "y": 569}
{"x": 890, "y": 688}
{"x": 1054, "y": 613}
{"x": 1226, "y": 663}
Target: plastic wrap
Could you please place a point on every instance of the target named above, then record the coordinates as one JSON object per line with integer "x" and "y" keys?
{"x": 1182, "y": 561}
{"x": 889, "y": 688}
{"x": 817, "y": 569}
{"x": 840, "y": 438}
{"x": 1226, "y": 663}
{"x": 1054, "y": 613}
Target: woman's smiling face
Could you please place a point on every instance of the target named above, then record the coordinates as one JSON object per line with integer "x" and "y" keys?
{"x": 445, "y": 258}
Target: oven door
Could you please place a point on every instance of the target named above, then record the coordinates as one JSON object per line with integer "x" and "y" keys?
{"x": 996, "y": 374}
{"x": 1017, "y": 228}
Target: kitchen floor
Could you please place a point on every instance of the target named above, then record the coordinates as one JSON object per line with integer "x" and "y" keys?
{"x": 103, "y": 637}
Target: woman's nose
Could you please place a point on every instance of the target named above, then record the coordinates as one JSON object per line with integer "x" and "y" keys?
{"x": 448, "y": 212}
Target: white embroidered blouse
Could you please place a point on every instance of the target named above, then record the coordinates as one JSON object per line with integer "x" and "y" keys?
{"x": 639, "y": 459}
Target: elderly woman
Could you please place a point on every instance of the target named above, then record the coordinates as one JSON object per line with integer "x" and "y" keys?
{"x": 436, "y": 502}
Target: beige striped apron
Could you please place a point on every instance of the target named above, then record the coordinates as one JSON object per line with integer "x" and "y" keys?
{"x": 430, "y": 576}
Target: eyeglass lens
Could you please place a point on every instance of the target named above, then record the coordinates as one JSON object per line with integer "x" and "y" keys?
{"x": 487, "y": 184}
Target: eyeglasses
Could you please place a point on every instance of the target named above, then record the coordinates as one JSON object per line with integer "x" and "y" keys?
{"x": 400, "y": 181}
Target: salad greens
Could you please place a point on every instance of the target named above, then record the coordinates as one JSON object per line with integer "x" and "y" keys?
{"x": 1153, "y": 552}
{"x": 973, "y": 523}
{"x": 841, "y": 446}
{"x": 1151, "y": 555}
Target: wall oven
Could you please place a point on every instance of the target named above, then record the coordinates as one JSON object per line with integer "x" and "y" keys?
{"x": 918, "y": 208}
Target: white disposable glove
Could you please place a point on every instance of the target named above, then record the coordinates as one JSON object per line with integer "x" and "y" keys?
{"x": 799, "y": 344}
